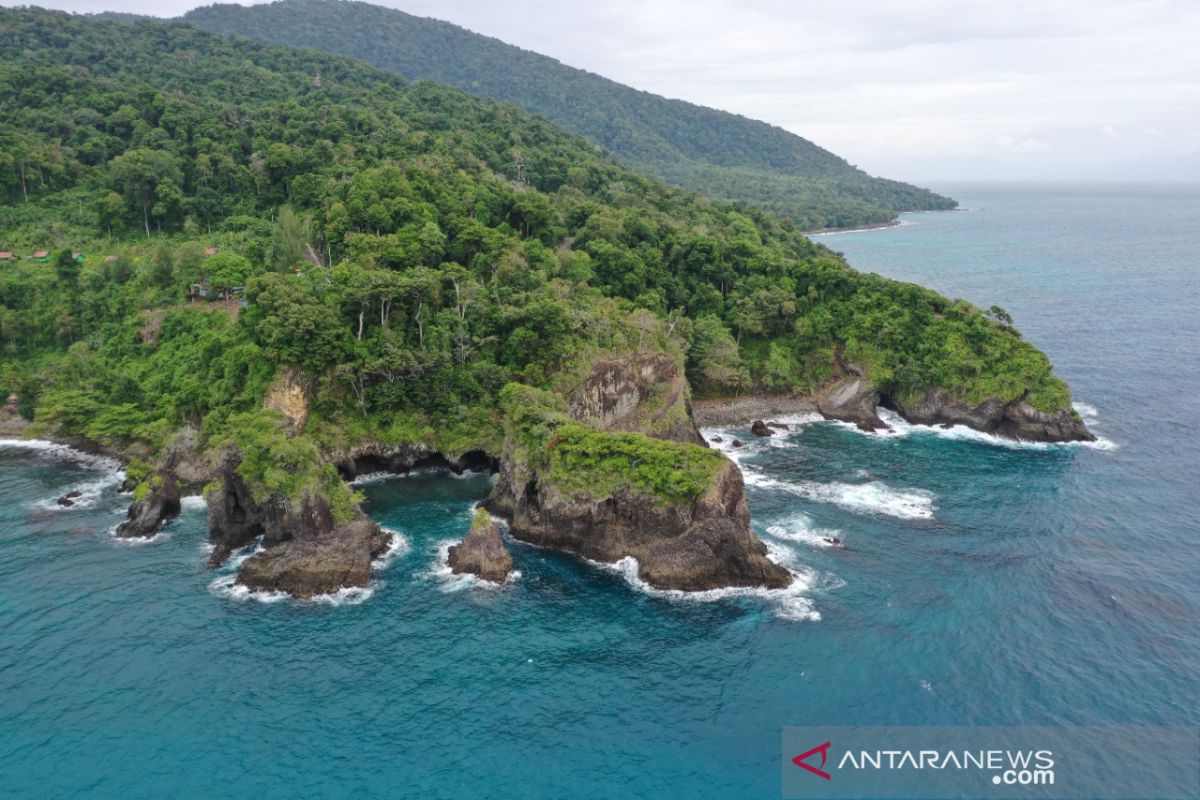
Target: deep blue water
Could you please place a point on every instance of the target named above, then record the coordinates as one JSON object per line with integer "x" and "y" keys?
{"x": 982, "y": 584}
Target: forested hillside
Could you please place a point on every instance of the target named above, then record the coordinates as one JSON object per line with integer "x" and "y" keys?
{"x": 713, "y": 152}
{"x": 239, "y": 208}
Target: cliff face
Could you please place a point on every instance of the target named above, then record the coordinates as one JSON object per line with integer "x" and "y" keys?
{"x": 680, "y": 542}
{"x": 852, "y": 398}
{"x": 642, "y": 393}
{"x": 1015, "y": 420}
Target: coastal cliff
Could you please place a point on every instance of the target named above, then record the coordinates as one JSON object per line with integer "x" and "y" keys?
{"x": 571, "y": 482}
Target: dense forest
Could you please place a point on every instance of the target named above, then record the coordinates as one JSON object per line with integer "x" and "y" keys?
{"x": 722, "y": 155}
{"x": 217, "y": 210}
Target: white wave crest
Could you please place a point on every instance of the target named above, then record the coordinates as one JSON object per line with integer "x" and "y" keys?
{"x": 901, "y": 428}
{"x": 137, "y": 541}
{"x": 193, "y": 501}
{"x": 62, "y": 451}
{"x": 799, "y": 529}
{"x": 790, "y": 603}
{"x": 398, "y": 547}
{"x": 226, "y": 586}
{"x": 874, "y": 497}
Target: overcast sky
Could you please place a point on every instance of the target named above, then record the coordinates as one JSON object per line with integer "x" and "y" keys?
{"x": 921, "y": 90}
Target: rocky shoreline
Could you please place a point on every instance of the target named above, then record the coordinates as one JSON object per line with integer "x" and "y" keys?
{"x": 694, "y": 541}
{"x": 744, "y": 409}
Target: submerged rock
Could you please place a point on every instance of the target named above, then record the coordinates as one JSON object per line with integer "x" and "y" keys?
{"x": 160, "y": 502}
{"x": 760, "y": 428}
{"x": 482, "y": 553}
{"x": 68, "y": 499}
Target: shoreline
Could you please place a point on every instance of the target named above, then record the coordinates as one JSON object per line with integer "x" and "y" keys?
{"x": 874, "y": 226}
{"x": 745, "y": 409}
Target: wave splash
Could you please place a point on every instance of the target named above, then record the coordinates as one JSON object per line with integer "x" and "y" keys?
{"x": 791, "y": 604}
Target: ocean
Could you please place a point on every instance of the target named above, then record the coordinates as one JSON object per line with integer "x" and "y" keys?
{"x": 982, "y": 582}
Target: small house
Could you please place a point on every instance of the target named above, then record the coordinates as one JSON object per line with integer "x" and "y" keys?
{"x": 41, "y": 256}
{"x": 7, "y": 256}
{"x": 202, "y": 289}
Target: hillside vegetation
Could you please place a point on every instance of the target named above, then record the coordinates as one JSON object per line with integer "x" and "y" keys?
{"x": 408, "y": 247}
{"x": 722, "y": 155}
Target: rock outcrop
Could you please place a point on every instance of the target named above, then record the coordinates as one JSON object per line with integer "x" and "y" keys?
{"x": 158, "y": 503}
{"x": 760, "y": 428}
{"x": 642, "y": 393}
{"x": 306, "y": 551}
{"x": 338, "y": 559}
{"x": 694, "y": 546}
{"x": 851, "y": 399}
{"x": 1016, "y": 420}
{"x": 695, "y": 543}
{"x": 482, "y": 553}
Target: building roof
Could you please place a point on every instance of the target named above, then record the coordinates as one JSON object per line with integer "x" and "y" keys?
{"x": 210, "y": 251}
{"x": 41, "y": 254}
{"x": 5, "y": 255}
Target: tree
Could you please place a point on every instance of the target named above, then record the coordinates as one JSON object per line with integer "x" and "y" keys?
{"x": 140, "y": 176}
{"x": 227, "y": 270}
{"x": 289, "y": 239}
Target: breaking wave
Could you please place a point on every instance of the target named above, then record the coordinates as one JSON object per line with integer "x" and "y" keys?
{"x": 791, "y": 603}
{"x": 874, "y": 497}
{"x": 799, "y": 529}
{"x": 399, "y": 546}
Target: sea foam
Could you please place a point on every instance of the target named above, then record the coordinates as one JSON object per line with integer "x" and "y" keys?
{"x": 873, "y": 497}
{"x": 790, "y": 603}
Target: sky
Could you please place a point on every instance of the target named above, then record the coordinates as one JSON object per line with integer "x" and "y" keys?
{"x": 920, "y": 90}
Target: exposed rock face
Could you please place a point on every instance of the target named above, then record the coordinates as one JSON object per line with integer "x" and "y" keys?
{"x": 303, "y": 568}
{"x": 288, "y": 395}
{"x": 160, "y": 504}
{"x": 690, "y": 546}
{"x": 643, "y": 393}
{"x": 482, "y": 553}
{"x": 851, "y": 399}
{"x": 1017, "y": 420}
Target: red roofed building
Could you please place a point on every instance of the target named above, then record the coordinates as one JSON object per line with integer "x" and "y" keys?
{"x": 41, "y": 255}
{"x": 6, "y": 256}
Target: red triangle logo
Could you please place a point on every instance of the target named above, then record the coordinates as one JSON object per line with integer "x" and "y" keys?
{"x": 801, "y": 760}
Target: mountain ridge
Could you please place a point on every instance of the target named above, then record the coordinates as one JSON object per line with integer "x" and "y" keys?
{"x": 720, "y": 154}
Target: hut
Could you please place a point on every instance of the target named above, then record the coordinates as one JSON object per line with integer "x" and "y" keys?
{"x": 41, "y": 256}
{"x": 7, "y": 256}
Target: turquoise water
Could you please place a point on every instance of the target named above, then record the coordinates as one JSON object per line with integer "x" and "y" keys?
{"x": 982, "y": 583}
